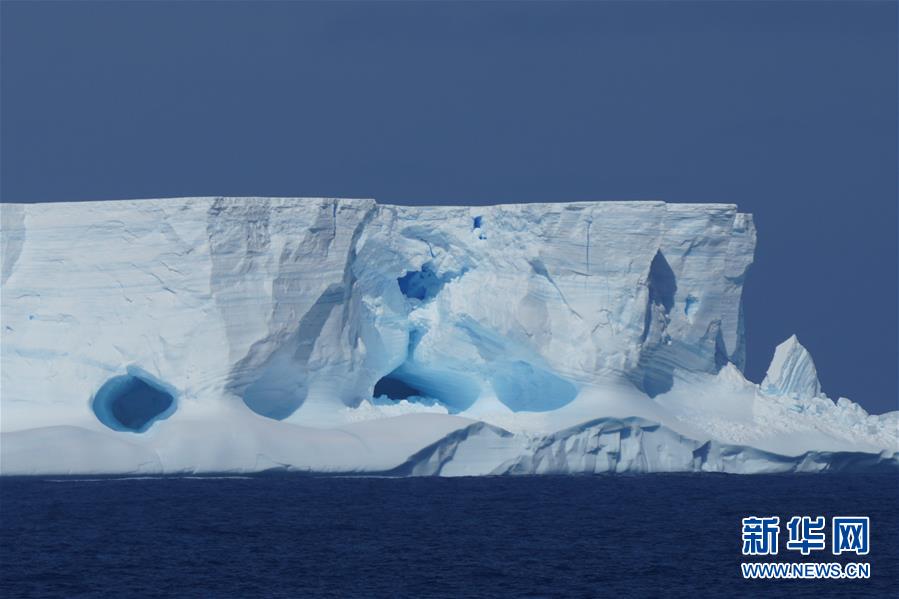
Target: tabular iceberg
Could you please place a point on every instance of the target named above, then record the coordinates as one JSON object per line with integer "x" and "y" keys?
{"x": 246, "y": 334}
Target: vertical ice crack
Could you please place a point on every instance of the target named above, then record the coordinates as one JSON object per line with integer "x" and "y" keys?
{"x": 589, "y": 225}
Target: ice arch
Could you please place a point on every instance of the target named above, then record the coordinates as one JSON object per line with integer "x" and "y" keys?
{"x": 423, "y": 284}
{"x": 395, "y": 388}
{"x": 132, "y": 403}
{"x": 453, "y": 389}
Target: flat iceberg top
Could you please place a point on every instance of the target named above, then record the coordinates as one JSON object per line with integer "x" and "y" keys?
{"x": 242, "y": 334}
{"x": 304, "y": 200}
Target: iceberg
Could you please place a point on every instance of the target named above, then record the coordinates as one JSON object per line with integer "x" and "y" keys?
{"x": 792, "y": 372}
{"x": 209, "y": 335}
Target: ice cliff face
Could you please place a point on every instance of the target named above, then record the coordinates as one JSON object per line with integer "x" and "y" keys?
{"x": 312, "y": 328}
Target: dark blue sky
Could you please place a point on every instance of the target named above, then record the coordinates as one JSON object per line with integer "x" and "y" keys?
{"x": 787, "y": 109}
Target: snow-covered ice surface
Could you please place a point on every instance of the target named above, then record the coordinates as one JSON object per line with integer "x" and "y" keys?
{"x": 245, "y": 334}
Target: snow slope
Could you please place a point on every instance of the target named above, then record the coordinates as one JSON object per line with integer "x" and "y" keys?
{"x": 242, "y": 334}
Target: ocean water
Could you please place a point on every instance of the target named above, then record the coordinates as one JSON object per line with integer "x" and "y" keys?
{"x": 307, "y": 536}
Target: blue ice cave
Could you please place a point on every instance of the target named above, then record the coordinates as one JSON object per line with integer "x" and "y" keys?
{"x": 132, "y": 403}
{"x": 524, "y": 387}
{"x": 423, "y": 284}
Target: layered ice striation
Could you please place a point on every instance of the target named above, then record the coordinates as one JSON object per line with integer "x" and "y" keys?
{"x": 242, "y": 334}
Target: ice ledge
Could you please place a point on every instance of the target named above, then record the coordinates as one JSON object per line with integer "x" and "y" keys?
{"x": 616, "y": 446}
{"x": 462, "y": 448}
